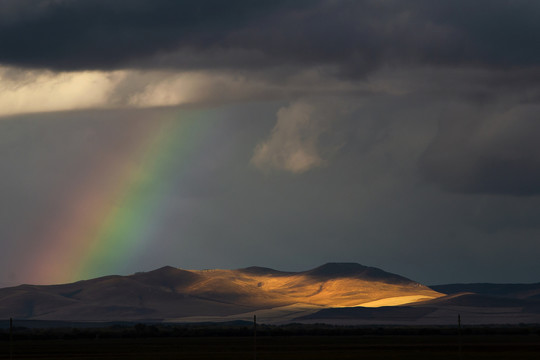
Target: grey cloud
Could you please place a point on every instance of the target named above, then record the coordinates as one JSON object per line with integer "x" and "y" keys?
{"x": 352, "y": 37}
{"x": 492, "y": 152}
{"x": 299, "y": 140}
{"x": 75, "y": 34}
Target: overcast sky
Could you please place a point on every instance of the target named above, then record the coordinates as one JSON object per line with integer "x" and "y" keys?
{"x": 400, "y": 135}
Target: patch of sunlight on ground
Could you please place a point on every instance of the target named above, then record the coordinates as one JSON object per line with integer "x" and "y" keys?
{"x": 396, "y": 300}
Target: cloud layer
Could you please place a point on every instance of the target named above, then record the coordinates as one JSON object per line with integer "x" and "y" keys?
{"x": 357, "y": 36}
{"x": 493, "y": 153}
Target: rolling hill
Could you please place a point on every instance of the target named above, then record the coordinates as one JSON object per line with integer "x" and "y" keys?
{"x": 172, "y": 294}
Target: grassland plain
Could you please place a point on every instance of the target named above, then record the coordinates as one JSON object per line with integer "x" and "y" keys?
{"x": 328, "y": 347}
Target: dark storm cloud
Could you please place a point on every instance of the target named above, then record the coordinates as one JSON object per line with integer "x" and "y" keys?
{"x": 352, "y": 36}
{"x": 103, "y": 34}
{"x": 493, "y": 152}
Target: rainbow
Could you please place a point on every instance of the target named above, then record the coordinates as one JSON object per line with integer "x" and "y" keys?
{"x": 106, "y": 226}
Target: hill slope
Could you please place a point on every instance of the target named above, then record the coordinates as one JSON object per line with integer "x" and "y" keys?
{"x": 174, "y": 294}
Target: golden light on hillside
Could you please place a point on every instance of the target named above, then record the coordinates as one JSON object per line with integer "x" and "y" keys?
{"x": 283, "y": 290}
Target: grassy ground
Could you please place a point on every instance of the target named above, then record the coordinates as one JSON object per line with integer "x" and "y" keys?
{"x": 282, "y": 347}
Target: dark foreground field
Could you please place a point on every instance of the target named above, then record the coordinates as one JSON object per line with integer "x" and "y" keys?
{"x": 282, "y": 347}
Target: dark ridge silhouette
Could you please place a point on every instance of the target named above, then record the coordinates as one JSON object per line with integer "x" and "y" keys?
{"x": 259, "y": 270}
{"x": 167, "y": 276}
{"x": 520, "y": 291}
{"x": 354, "y": 270}
{"x": 533, "y": 308}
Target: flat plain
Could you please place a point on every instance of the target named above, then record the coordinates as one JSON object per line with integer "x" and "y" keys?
{"x": 282, "y": 347}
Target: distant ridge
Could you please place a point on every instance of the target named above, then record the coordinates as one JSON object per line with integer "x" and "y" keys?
{"x": 519, "y": 291}
{"x": 167, "y": 276}
{"x": 336, "y": 270}
{"x": 354, "y": 270}
{"x": 476, "y": 300}
{"x": 258, "y": 270}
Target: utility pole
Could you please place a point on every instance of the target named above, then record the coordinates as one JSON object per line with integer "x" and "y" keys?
{"x": 10, "y": 338}
{"x": 459, "y": 333}
{"x": 255, "y": 337}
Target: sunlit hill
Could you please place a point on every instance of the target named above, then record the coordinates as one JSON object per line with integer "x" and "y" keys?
{"x": 172, "y": 294}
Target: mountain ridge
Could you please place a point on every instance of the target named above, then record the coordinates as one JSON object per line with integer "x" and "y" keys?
{"x": 355, "y": 270}
{"x": 170, "y": 293}
{"x": 334, "y": 293}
